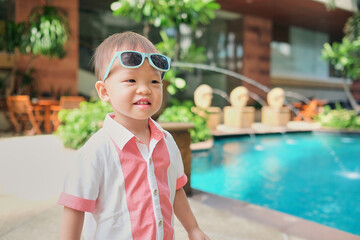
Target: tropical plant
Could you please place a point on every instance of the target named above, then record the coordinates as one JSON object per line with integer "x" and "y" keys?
{"x": 45, "y": 33}
{"x": 13, "y": 37}
{"x": 48, "y": 32}
{"x": 27, "y": 82}
{"x": 165, "y": 15}
{"x": 181, "y": 112}
{"x": 12, "y": 40}
{"x": 193, "y": 54}
{"x": 352, "y": 26}
{"x": 338, "y": 118}
{"x": 345, "y": 57}
{"x": 79, "y": 124}
{"x": 170, "y": 16}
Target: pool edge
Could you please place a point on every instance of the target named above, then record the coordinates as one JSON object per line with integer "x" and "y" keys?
{"x": 283, "y": 222}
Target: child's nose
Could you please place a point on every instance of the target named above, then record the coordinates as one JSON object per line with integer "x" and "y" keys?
{"x": 143, "y": 89}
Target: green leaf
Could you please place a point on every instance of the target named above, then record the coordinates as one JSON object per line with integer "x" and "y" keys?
{"x": 171, "y": 89}
{"x": 344, "y": 57}
{"x": 180, "y": 83}
{"x": 116, "y": 6}
{"x": 79, "y": 124}
{"x": 338, "y": 118}
{"x": 181, "y": 112}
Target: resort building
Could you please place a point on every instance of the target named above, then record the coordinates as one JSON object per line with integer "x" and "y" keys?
{"x": 274, "y": 42}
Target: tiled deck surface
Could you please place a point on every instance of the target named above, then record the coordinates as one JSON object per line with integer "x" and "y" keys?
{"x": 31, "y": 176}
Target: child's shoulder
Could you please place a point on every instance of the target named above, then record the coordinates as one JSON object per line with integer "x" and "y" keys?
{"x": 98, "y": 146}
{"x": 168, "y": 138}
{"x": 166, "y": 134}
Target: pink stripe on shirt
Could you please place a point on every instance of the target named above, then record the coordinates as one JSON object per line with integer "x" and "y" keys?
{"x": 138, "y": 194}
{"x": 76, "y": 203}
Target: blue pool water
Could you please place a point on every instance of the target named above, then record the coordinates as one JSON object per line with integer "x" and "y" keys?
{"x": 315, "y": 176}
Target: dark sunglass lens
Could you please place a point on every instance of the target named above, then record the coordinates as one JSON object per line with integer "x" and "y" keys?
{"x": 160, "y": 61}
{"x": 131, "y": 59}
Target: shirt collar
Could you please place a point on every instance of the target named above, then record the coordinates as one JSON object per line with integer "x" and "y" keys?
{"x": 122, "y": 135}
{"x": 157, "y": 132}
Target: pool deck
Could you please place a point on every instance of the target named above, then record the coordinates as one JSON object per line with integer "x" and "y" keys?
{"x": 31, "y": 176}
{"x": 284, "y": 223}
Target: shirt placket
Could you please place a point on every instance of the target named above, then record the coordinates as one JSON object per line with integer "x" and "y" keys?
{"x": 147, "y": 155}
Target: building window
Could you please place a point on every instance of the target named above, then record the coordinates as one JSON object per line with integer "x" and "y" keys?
{"x": 223, "y": 42}
{"x": 297, "y": 52}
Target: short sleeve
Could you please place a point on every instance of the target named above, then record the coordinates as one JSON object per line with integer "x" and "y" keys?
{"x": 81, "y": 186}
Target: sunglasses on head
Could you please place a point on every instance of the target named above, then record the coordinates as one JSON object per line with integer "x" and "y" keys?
{"x": 134, "y": 59}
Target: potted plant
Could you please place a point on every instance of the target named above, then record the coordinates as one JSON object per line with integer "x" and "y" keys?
{"x": 45, "y": 33}
{"x": 181, "y": 112}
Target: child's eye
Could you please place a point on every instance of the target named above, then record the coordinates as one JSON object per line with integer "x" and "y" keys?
{"x": 130, "y": 80}
{"x": 155, "y": 81}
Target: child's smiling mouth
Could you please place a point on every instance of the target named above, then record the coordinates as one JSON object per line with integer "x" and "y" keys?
{"x": 142, "y": 102}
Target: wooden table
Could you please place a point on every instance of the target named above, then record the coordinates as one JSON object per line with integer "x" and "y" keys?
{"x": 46, "y": 105}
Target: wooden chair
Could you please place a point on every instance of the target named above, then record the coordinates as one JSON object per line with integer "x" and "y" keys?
{"x": 66, "y": 102}
{"x": 5, "y": 111}
{"x": 22, "y": 112}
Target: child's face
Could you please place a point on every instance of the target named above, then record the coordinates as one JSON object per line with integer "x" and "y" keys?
{"x": 134, "y": 93}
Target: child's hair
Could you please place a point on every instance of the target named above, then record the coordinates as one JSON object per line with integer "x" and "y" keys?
{"x": 129, "y": 40}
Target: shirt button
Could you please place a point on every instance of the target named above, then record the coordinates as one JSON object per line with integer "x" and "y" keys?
{"x": 150, "y": 160}
{"x": 155, "y": 191}
{"x": 160, "y": 223}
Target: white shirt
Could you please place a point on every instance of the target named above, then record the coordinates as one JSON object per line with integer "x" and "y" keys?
{"x": 126, "y": 189}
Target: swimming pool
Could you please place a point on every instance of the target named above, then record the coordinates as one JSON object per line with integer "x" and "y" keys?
{"x": 315, "y": 176}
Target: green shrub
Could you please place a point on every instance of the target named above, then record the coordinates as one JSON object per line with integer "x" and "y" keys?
{"x": 181, "y": 112}
{"x": 80, "y": 123}
{"x": 338, "y": 118}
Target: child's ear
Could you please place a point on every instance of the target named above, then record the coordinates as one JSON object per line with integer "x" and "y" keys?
{"x": 101, "y": 90}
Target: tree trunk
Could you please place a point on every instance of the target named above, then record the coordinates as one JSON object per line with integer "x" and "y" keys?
{"x": 146, "y": 30}
{"x": 350, "y": 97}
{"x": 10, "y": 89}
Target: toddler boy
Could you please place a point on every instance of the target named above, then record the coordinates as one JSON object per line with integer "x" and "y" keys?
{"x": 126, "y": 181}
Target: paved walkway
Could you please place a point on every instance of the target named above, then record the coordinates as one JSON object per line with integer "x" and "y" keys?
{"x": 31, "y": 176}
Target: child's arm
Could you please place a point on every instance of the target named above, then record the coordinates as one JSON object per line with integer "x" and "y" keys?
{"x": 186, "y": 217}
{"x": 71, "y": 224}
